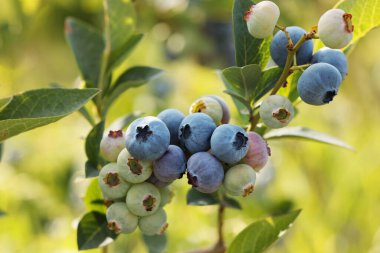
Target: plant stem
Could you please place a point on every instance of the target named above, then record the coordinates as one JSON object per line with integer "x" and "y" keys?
{"x": 220, "y": 243}
{"x": 105, "y": 249}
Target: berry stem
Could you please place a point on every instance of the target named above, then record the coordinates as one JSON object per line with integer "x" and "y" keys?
{"x": 220, "y": 243}
{"x": 299, "y": 67}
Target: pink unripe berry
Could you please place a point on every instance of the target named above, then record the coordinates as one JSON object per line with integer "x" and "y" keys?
{"x": 262, "y": 18}
{"x": 111, "y": 145}
{"x": 258, "y": 152}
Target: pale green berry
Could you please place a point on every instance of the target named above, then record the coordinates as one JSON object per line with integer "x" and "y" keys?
{"x": 209, "y": 106}
{"x": 166, "y": 195}
{"x": 276, "y": 111}
{"x": 110, "y": 182}
{"x": 133, "y": 170}
{"x": 154, "y": 224}
{"x": 120, "y": 219}
{"x": 111, "y": 145}
{"x": 262, "y": 18}
{"x": 240, "y": 180}
{"x": 143, "y": 199}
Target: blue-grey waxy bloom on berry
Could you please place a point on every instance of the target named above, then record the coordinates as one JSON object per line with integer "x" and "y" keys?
{"x": 171, "y": 165}
{"x": 258, "y": 152}
{"x": 279, "y": 44}
{"x": 334, "y": 57}
{"x": 147, "y": 138}
{"x": 133, "y": 170}
{"x": 229, "y": 143}
{"x": 240, "y": 180}
{"x": 276, "y": 111}
{"x": 111, "y": 183}
{"x": 226, "y": 111}
{"x": 209, "y": 106}
{"x": 319, "y": 84}
{"x": 120, "y": 219}
{"x": 204, "y": 172}
{"x": 154, "y": 224}
{"x": 172, "y": 118}
{"x": 156, "y": 182}
{"x": 143, "y": 199}
{"x": 262, "y": 18}
{"x": 335, "y": 28}
{"x": 195, "y": 132}
{"x": 111, "y": 145}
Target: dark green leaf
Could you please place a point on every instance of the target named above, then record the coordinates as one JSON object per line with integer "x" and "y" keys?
{"x": 87, "y": 45}
{"x": 292, "y": 82}
{"x": 231, "y": 203}
{"x": 4, "y": 102}
{"x": 92, "y": 145}
{"x": 117, "y": 56}
{"x": 124, "y": 121}
{"x": 248, "y": 50}
{"x": 196, "y": 198}
{"x": 155, "y": 243}
{"x": 86, "y": 114}
{"x": 93, "y": 232}
{"x": 40, "y": 107}
{"x": 258, "y": 236}
{"x": 267, "y": 82}
{"x": 90, "y": 170}
{"x": 93, "y": 199}
{"x": 305, "y": 133}
{"x": 1, "y": 150}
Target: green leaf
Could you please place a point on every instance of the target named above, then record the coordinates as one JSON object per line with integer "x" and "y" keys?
{"x": 258, "y": 236}
{"x": 92, "y": 197}
{"x": 92, "y": 231}
{"x": 86, "y": 114}
{"x": 92, "y": 145}
{"x": 305, "y": 133}
{"x": 87, "y": 45}
{"x": 120, "y": 22}
{"x": 267, "y": 82}
{"x": 155, "y": 243}
{"x": 248, "y": 50}
{"x": 40, "y": 107}
{"x": 117, "y": 56}
{"x": 124, "y": 121}
{"x": 4, "y": 102}
{"x": 2, "y": 213}
{"x": 239, "y": 98}
{"x": 196, "y": 198}
{"x": 231, "y": 203}
{"x": 292, "y": 82}
{"x": 1, "y": 150}
{"x": 90, "y": 170}
{"x": 131, "y": 78}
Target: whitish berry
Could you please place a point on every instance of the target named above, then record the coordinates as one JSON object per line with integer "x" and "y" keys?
{"x": 111, "y": 145}
{"x": 143, "y": 199}
{"x": 240, "y": 180}
{"x": 120, "y": 219}
{"x": 262, "y": 18}
{"x": 111, "y": 183}
{"x": 276, "y": 111}
{"x": 154, "y": 224}
{"x": 133, "y": 170}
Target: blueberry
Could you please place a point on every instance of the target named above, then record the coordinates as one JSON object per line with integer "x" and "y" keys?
{"x": 154, "y": 224}
{"x": 240, "y": 180}
{"x": 143, "y": 199}
{"x": 172, "y": 118}
{"x": 262, "y": 18}
{"x": 195, "y": 132}
{"x": 229, "y": 143}
{"x": 334, "y": 57}
{"x": 111, "y": 183}
{"x": 111, "y": 145}
{"x": 209, "y": 106}
{"x": 335, "y": 28}
{"x": 319, "y": 84}
{"x": 147, "y": 138}
{"x": 226, "y": 112}
{"x": 279, "y": 51}
{"x": 276, "y": 111}
{"x": 133, "y": 170}
{"x": 258, "y": 152}
{"x": 120, "y": 219}
{"x": 171, "y": 165}
{"x": 154, "y": 180}
{"x": 204, "y": 172}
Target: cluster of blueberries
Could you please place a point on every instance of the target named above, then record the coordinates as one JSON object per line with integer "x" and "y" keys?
{"x": 155, "y": 151}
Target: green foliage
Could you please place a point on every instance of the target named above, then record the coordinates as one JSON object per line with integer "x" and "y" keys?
{"x": 40, "y": 107}
{"x": 258, "y": 236}
{"x": 155, "y": 243}
{"x": 93, "y": 232}
{"x": 93, "y": 199}
{"x": 305, "y": 133}
{"x": 92, "y": 145}
{"x": 196, "y": 198}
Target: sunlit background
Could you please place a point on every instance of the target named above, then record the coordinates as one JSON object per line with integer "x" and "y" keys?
{"x": 42, "y": 172}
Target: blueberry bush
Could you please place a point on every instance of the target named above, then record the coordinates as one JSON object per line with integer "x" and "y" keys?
{"x": 134, "y": 160}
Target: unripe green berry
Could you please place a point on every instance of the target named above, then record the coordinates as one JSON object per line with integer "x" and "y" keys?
{"x": 111, "y": 145}
{"x": 276, "y": 111}
{"x": 154, "y": 224}
{"x": 209, "y": 106}
{"x": 166, "y": 195}
{"x": 120, "y": 219}
{"x": 133, "y": 170}
{"x": 262, "y": 18}
{"x": 143, "y": 199}
{"x": 110, "y": 182}
{"x": 240, "y": 180}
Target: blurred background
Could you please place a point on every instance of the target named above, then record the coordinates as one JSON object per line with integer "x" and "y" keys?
{"x": 42, "y": 172}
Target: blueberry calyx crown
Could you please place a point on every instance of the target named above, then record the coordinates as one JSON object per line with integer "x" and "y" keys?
{"x": 347, "y": 17}
{"x": 115, "y": 134}
{"x": 135, "y": 166}
{"x": 248, "y": 13}
{"x": 113, "y": 226}
{"x": 112, "y": 179}
{"x": 248, "y": 190}
{"x": 199, "y": 106}
{"x": 192, "y": 180}
{"x": 268, "y": 149}
{"x": 281, "y": 114}
{"x": 143, "y": 133}
{"x": 329, "y": 96}
{"x": 185, "y": 131}
{"x": 149, "y": 203}
{"x": 240, "y": 141}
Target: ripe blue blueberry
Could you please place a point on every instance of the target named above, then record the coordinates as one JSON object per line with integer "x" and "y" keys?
{"x": 229, "y": 143}
{"x": 133, "y": 170}
{"x": 204, "y": 172}
{"x": 147, "y": 138}
{"x": 226, "y": 112}
{"x": 279, "y": 51}
{"x": 171, "y": 165}
{"x": 319, "y": 84}
{"x": 195, "y": 132}
{"x": 172, "y": 118}
{"x": 120, "y": 219}
{"x": 158, "y": 183}
{"x": 143, "y": 199}
{"x": 111, "y": 183}
{"x": 334, "y": 57}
